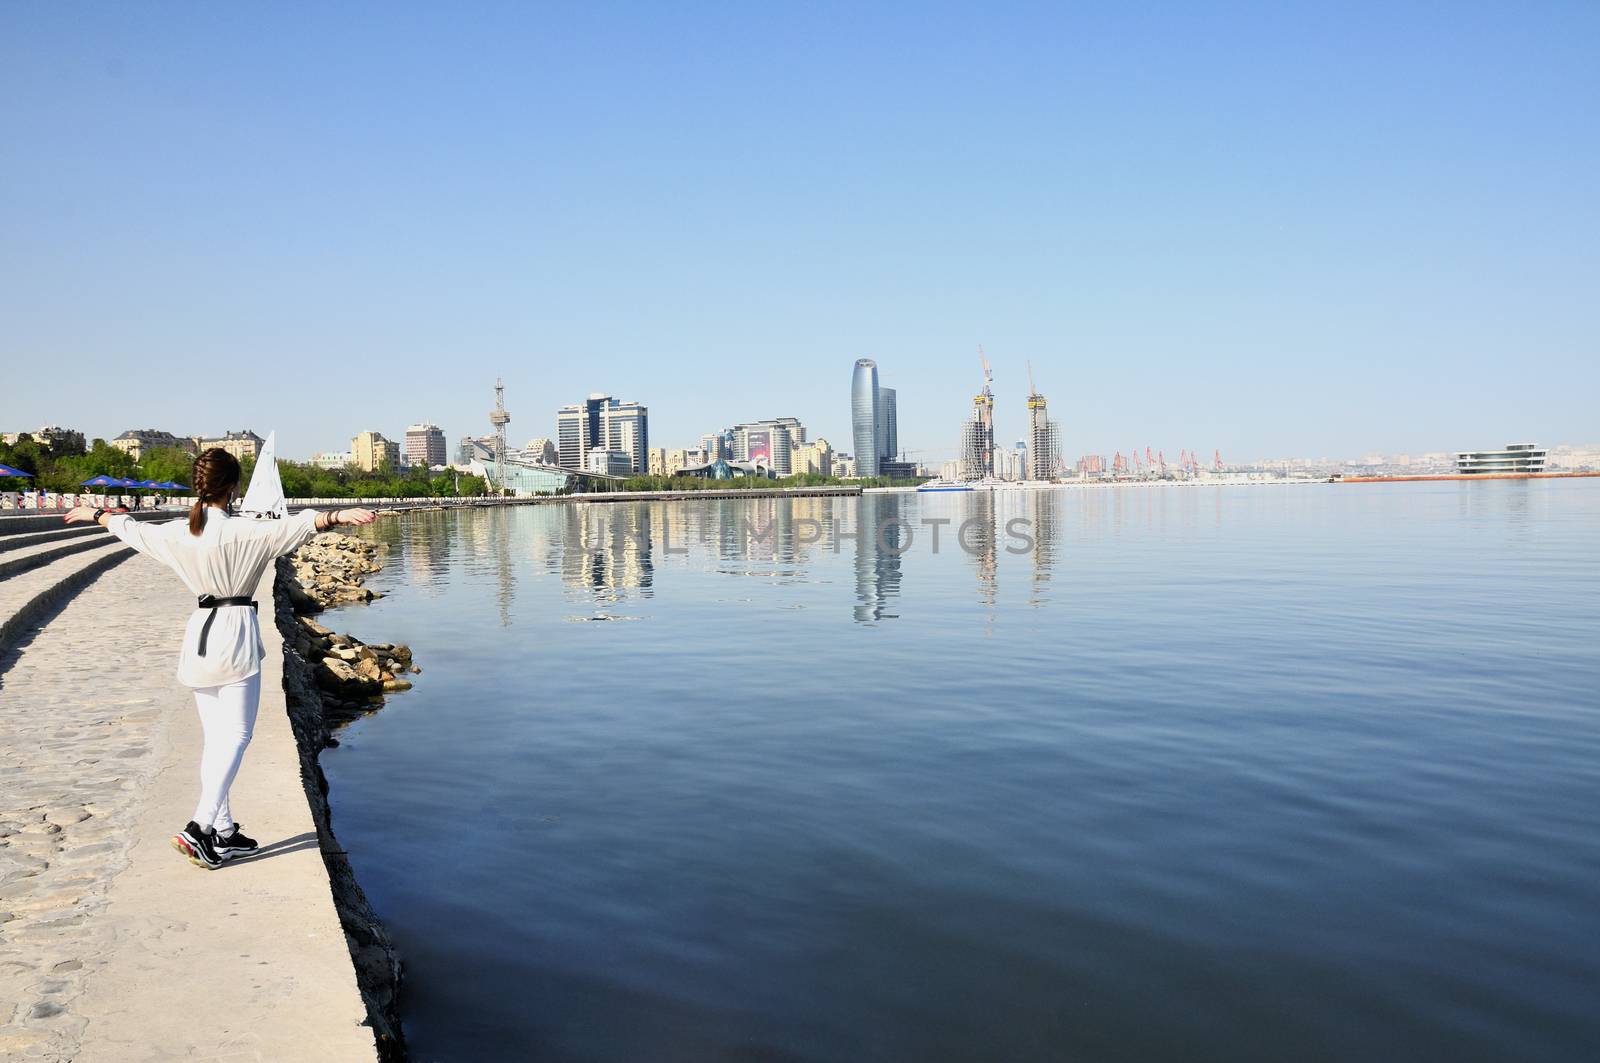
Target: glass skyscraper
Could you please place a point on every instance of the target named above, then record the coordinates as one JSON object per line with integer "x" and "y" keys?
{"x": 864, "y": 416}
{"x": 888, "y": 425}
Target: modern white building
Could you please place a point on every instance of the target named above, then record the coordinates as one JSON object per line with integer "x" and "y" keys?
{"x": 1516, "y": 457}
{"x": 608, "y": 462}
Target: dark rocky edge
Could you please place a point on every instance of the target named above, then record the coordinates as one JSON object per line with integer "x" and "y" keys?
{"x": 320, "y": 700}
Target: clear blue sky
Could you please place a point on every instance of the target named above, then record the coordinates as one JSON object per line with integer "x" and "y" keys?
{"x": 1265, "y": 228}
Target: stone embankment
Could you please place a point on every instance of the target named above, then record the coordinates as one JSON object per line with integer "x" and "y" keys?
{"x": 352, "y": 675}
{"x": 329, "y": 679}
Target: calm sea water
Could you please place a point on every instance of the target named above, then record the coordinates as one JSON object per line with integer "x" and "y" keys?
{"x": 1233, "y": 773}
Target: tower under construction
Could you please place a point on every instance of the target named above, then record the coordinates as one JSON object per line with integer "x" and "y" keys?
{"x": 977, "y": 434}
{"x": 1044, "y": 443}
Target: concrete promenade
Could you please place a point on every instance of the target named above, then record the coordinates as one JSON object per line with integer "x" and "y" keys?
{"x": 112, "y": 946}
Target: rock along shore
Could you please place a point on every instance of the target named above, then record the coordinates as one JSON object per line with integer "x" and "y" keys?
{"x": 330, "y": 679}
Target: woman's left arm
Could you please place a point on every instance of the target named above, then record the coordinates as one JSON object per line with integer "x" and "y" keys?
{"x": 295, "y": 532}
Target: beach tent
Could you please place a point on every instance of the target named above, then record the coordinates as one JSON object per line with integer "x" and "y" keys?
{"x": 6, "y": 470}
{"x": 264, "y": 496}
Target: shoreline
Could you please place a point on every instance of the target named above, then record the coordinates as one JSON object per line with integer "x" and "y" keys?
{"x": 377, "y": 966}
{"x": 1431, "y": 477}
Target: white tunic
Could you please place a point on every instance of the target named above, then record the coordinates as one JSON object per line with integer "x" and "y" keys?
{"x": 227, "y": 560}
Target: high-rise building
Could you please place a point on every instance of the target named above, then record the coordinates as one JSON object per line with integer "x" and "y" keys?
{"x": 425, "y": 445}
{"x": 370, "y": 451}
{"x": 977, "y": 443}
{"x": 1009, "y": 464}
{"x": 888, "y": 433}
{"x": 771, "y": 442}
{"x": 1043, "y": 442}
{"x": 600, "y": 422}
{"x": 717, "y": 446}
{"x": 864, "y": 416}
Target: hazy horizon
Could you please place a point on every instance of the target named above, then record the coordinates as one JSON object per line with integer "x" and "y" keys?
{"x": 1308, "y": 232}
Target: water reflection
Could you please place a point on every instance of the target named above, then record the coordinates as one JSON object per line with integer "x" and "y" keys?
{"x": 881, "y": 540}
{"x": 604, "y": 550}
{"x": 609, "y": 554}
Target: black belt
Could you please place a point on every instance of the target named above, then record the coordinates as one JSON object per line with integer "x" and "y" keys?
{"x": 208, "y": 601}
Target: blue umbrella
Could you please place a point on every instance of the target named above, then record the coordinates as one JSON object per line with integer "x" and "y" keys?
{"x": 6, "y": 470}
{"x": 170, "y": 486}
{"x": 102, "y": 481}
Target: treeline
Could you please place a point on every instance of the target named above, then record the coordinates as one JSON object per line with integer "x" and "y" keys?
{"x": 62, "y": 468}
{"x": 65, "y": 471}
{"x": 756, "y": 483}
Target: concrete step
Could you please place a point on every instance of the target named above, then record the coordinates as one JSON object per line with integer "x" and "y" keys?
{"x": 28, "y": 522}
{"x": 28, "y": 597}
{"x": 15, "y": 562}
{"x": 63, "y": 531}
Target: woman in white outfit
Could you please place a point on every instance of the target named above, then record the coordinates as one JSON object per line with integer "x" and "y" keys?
{"x": 221, "y": 559}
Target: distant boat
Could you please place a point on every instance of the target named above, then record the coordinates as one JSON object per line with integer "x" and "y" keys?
{"x": 264, "y": 497}
{"x": 943, "y": 485}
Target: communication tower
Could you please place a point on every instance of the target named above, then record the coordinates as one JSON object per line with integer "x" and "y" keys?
{"x": 500, "y": 418}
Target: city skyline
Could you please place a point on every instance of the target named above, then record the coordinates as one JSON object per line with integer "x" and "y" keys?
{"x": 1307, "y": 237}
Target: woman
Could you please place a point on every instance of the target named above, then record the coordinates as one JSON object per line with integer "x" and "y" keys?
{"x": 220, "y": 558}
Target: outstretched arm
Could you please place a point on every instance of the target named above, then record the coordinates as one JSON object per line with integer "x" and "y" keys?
{"x": 291, "y": 534}
{"x": 118, "y": 523}
{"x": 328, "y": 519}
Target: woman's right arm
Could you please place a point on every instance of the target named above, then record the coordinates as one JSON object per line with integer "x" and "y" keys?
{"x": 121, "y": 525}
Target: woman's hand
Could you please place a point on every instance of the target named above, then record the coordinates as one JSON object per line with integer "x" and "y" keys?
{"x": 80, "y": 515}
{"x": 354, "y": 516}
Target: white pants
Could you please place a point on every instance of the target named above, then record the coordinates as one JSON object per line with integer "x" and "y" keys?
{"x": 228, "y": 717}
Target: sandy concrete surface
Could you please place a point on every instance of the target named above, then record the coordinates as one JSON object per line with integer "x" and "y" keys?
{"x": 112, "y": 946}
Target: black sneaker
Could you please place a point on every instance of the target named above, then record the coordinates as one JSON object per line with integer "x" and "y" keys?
{"x": 236, "y": 844}
{"x": 197, "y": 846}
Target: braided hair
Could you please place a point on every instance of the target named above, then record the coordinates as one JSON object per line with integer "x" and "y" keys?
{"x": 216, "y": 474}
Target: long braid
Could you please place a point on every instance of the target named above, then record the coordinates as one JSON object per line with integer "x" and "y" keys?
{"x": 216, "y": 474}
